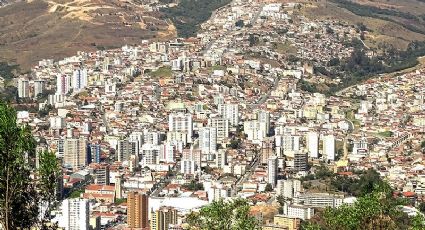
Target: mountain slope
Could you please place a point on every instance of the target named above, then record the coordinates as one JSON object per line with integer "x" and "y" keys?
{"x": 30, "y": 31}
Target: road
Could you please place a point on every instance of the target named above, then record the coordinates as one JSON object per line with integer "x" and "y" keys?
{"x": 249, "y": 171}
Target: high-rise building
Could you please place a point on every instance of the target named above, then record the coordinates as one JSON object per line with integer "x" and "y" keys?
{"x": 230, "y": 112}
{"x": 329, "y": 147}
{"x": 79, "y": 79}
{"x": 95, "y": 152}
{"x": 272, "y": 168}
{"x": 75, "y": 214}
{"x": 208, "y": 140}
{"x": 62, "y": 84}
{"x": 125, "y": 149}
{"x": 23, "y": 88}
{"x": 163, "y": 218}
{"x": 264, "y": 117}
{"x": 102, "y": 174}
{"x": 118, "y": 189}
{"x": 167, "y": 153}
{"x": 38, "y": 87}
{"x": 313, "y": 144}
{"x": 222, "y": 126}
{"x": 300, "y": 161}
{"x": 221, "y": 158}
{"x": 188, "y": 167}
{"x": 180, "y": 122}
{"x": 75, "y": 153}
{"x": 137, "y": 210}
{"x": 150, "y": 154}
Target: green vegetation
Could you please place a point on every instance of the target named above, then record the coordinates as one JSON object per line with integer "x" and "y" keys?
{"x": 386, "y": 134}
{"x": 76, "y": 194}
{"x": 20, "y": 195}
{"x": 221, "y": 215}
{"x": 164, "y": 71}
{"x": 423, "y": 144}
{"x": 360, "y": 67}
{"x": 188, "y": 15}
{"x": 382, "y": 13}
{"x": 7, "y": 71}
{"x": 378, "y": 209}
{"x": 120, "y": 200}
{"x": 358, "y": 186}
{"x": 193, "y": 186}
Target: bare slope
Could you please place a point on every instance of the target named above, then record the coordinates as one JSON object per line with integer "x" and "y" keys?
{"x": 30, "y": 31}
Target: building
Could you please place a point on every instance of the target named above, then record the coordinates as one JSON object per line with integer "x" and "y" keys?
{"x": 264, "y": 117}
{"x": 163, "y": 218}
{"x": 221, "y": 158}
{"x": 300, "y": 162}
{"x": 137, "y": 210}
{"x": 313, "y": 144}
{"x": 230, "y": 112}
{"x": 102, "y": 174}
{"x": 79, "y": 79}
{"x": 272, "y": 168}
{"x": 38, "y": 87}
{"x": 180, "y": 122}
{"x": 208, "y": 140}
{"x": 298, "y": 211}
{"x": 75, "y": 153}
{"x": 321, "y": 200}
{"x": 290, "y": 223}
{"x": 75, "y": 214}
{"x": 329, "y": 147}
{"x": 62, "y": 84}
{"x": 118, "y": 188}
{"x": 125, "y": 149}
{"x": 95, "y": 152}
{"x": 23, "y": 88}
{"x": 222, "y": 126}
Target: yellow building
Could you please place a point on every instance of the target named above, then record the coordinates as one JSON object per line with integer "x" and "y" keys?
{"x": 286, "y": 222}
{"x": 163, "y": 217}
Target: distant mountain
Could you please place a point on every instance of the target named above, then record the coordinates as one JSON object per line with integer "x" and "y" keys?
{"x": 37, "y": 29}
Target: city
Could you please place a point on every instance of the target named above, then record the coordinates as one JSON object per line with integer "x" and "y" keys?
{"x": 147, "y": 135}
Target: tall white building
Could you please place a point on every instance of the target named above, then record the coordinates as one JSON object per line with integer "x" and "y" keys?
{"x": 221, "y": 158}
{"x": 75, "y": 214}
{"x": 167, "y": 153}
{"x": 230, "y": 112}
{"x": 23, "y": 88}
{"x": 329, "y": 147}
{"x": 264, "y": 117}
{"x": 222, "y": 126}
{"x": 272, "y": 170}
{"x": 208, "y": 140}
{"x": 313, "y": 144}
{"x": 180, "y": 122}
{"x": 79, "y": 79}
{"x": 255, "y": 130}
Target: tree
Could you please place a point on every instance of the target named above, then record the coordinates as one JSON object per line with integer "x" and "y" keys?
{"x": 223, "y": 215}
{"x": 49, "y": 172}
{"x": 375, "y": 210}
{"x": 19, "y": 194}
{"x": 268, "y": 188}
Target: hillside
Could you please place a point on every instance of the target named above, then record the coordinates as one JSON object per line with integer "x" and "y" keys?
{"x": 389, "y": 22}
{"x": 37, "y": 29}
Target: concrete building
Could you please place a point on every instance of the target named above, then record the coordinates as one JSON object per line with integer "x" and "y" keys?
{"x": 272, "y": 169}
{"x": 329, "y": 147}
{"x": 313, "y": 144}
{"x": 230, "y": 112}
{"x": 163, "y": 218}
{"x": 180, "y": 122}
{"x": 75, "y": 153}
{"x": 75, "y": 214}
{"x": 137, "y": 210}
